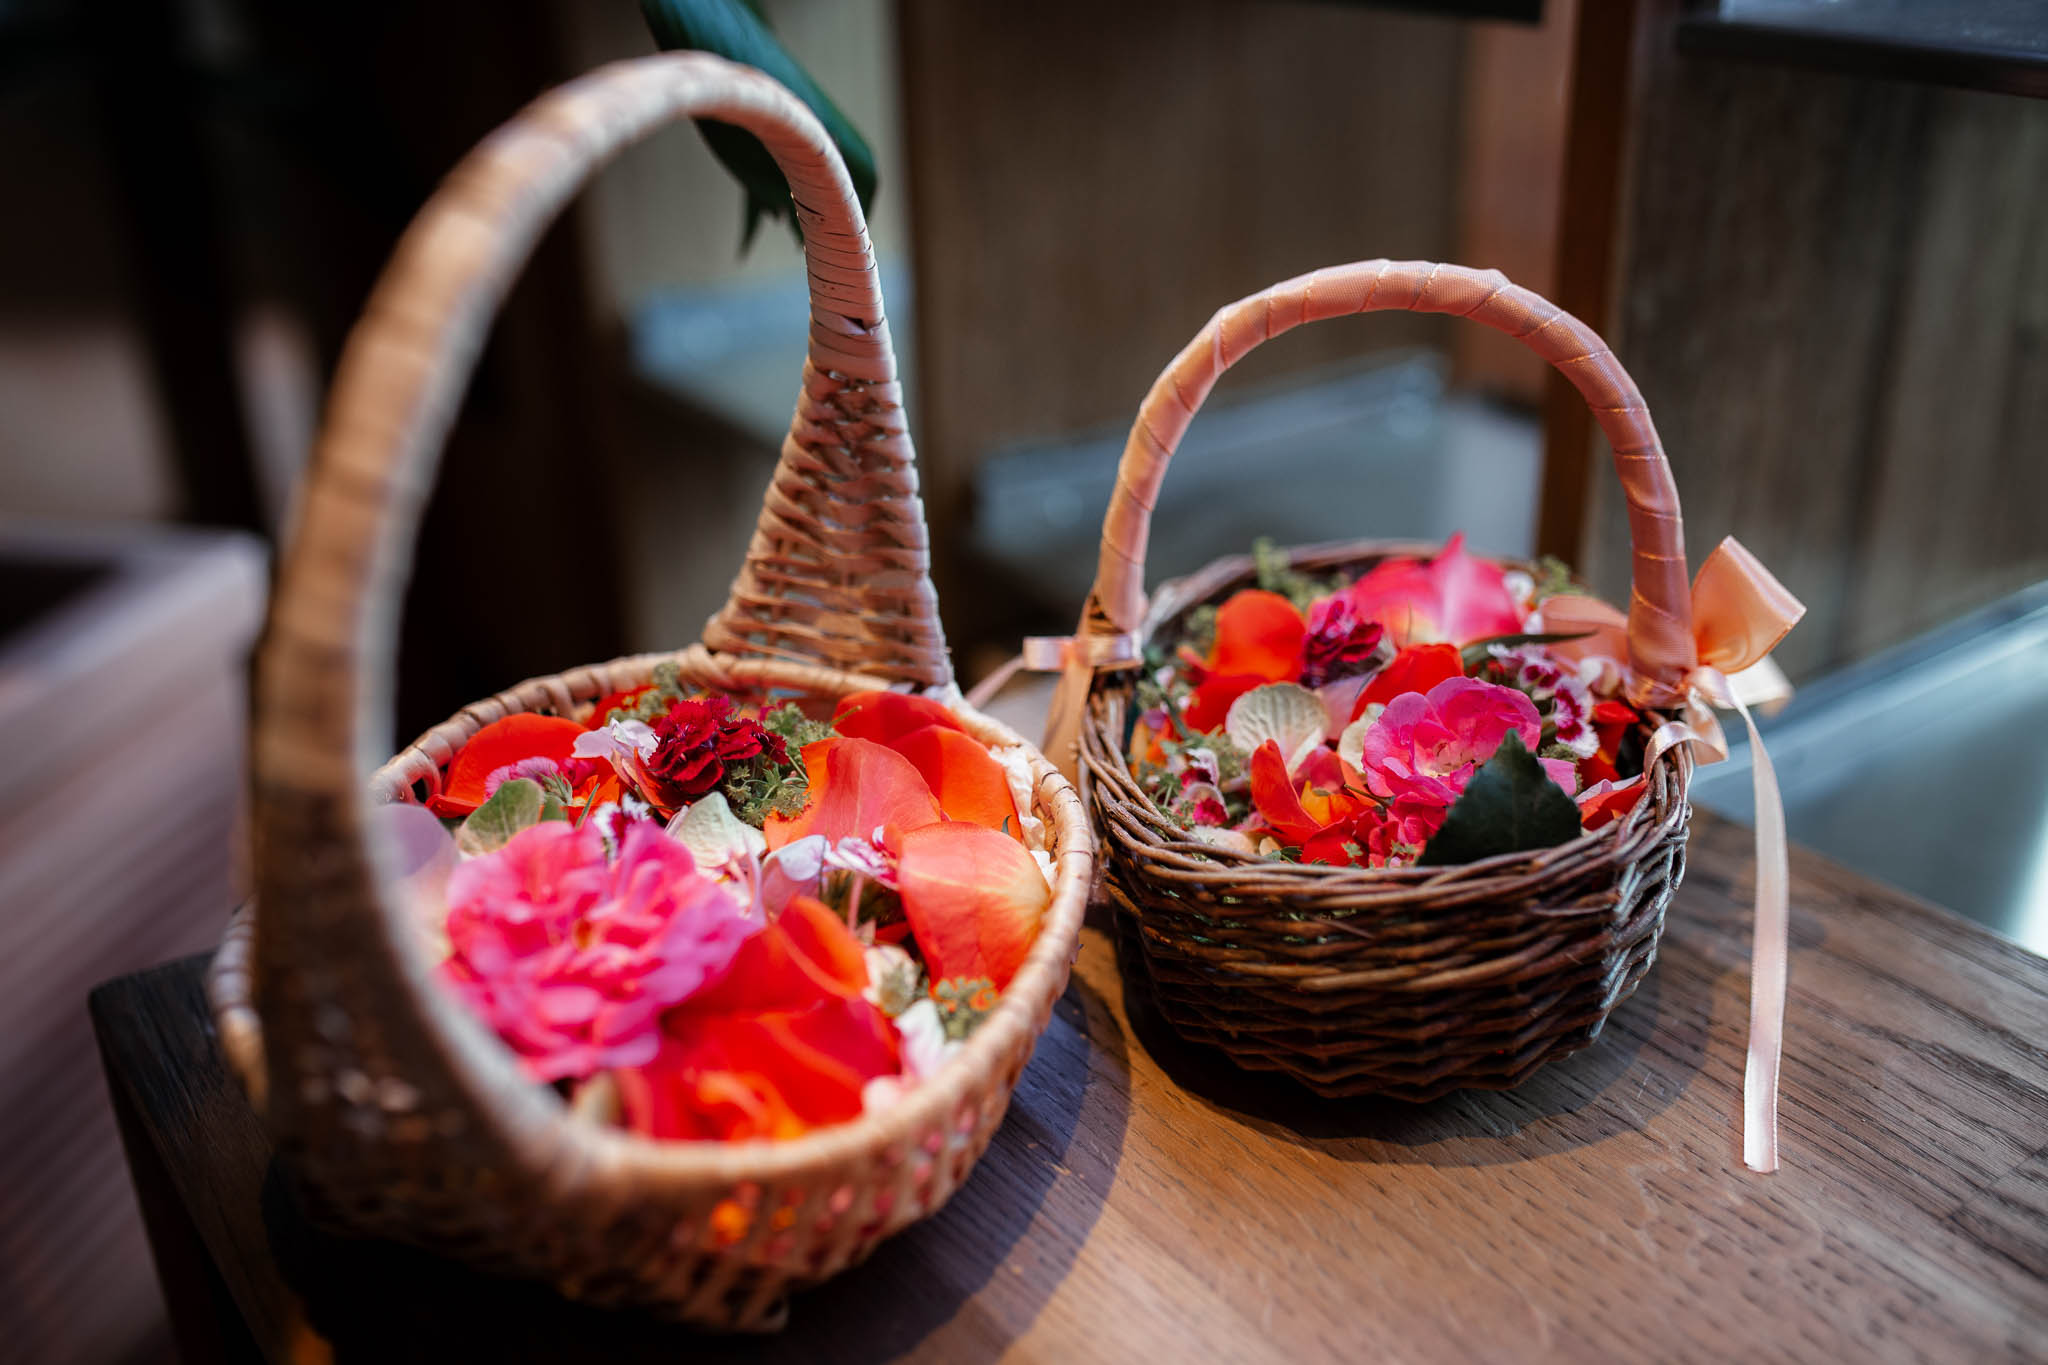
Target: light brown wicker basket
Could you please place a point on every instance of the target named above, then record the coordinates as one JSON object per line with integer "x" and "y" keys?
{"x": 1407, "y": 982}
{"x": 397, "y": 1111}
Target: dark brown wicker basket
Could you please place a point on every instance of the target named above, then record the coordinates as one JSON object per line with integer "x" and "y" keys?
{"x": 1407, "y": 982}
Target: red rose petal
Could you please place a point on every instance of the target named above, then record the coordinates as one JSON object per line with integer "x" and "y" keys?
{"x": 1415, "y": 669}
{"x": 886, "y": 717}
{"x": 497, "y": 745}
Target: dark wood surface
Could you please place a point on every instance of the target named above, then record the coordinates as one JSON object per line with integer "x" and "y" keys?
{"x": 1145, "y": 1202}
{"x": 1832, "y": 290}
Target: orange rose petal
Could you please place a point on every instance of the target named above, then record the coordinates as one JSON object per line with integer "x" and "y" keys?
{"x": 1261, "y": 634}
{"x": 502, "y": 742}
{"x": 974, "y": 899}
{"x": 886, "y": 717}
{"x": 969, "y": 784}
{"x": 856, "y": 787}
{"x": 1275, "y": 798}
{"x": 807, "y": 954}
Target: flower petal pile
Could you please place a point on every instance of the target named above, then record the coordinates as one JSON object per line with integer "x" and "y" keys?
{"x": 679, "y": 896}
{"x": 1341, "y": 722}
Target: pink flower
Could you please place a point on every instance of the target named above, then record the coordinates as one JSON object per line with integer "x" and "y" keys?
{"x": 1428, "y": 747}
{"x": 572, "y": 959}
{"x": 1455, "y": 597}
{"x": 1534, "y": 670}
{"x": 534, "y": 769}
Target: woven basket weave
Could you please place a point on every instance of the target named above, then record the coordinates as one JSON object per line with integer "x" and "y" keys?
{"x": 398, "y": 1112}
{"x": 1407, "y": 982}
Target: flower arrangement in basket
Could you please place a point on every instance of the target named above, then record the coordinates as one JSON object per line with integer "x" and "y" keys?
{"x": 678, "y": 981}
{"x": 1395, "y": 820}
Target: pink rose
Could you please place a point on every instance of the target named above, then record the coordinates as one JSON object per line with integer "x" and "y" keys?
{"x": 572, "y": 959}
{"x": 1428, "y": 747}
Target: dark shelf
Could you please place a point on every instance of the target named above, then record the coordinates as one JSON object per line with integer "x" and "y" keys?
{"x": 1996, "y": 45}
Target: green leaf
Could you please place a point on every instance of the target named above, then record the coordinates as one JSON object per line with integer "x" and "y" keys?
{"x": 514, "y": 806}
{"x": 733, "y": 29}
{"x": 1511, "y": 805}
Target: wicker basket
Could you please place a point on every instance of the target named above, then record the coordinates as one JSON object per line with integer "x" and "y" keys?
{"x": 398, "y": 1112}
{"x": 1407, "y": 982}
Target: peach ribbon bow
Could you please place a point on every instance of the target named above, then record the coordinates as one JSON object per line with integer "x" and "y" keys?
{"x": 1739, "y": 614}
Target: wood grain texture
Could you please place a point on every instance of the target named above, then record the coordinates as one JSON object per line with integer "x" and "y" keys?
{"x": 1834, "y": 297}
{"x": 1088, "y": 182}
{"x": 1142, "y": 1202}
{"x": 1517, "y": 90}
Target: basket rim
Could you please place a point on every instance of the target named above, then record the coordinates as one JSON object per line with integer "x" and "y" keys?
{"x": 1109, "y": 785}
{"x": 489, "y": 1068}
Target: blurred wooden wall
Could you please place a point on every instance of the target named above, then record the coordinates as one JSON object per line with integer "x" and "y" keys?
{"x": 1833, "y": 291}
{"x": 1090, "y": 182}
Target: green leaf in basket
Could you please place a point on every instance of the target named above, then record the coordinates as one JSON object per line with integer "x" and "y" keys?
{"x": 734, "y": 29}
{"x": 514, "y": 806}
{"x": 1510, "y": 806}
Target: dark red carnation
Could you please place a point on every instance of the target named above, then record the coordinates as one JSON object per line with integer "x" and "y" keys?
{"x": 1341, "y": 643}
{"x": 699, "y": 738}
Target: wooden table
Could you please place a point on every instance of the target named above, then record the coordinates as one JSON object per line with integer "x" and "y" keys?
{"x": 1144, "y": 1202}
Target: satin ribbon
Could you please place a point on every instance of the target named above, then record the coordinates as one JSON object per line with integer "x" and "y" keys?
{"x": 1056, "y": 653}
{"x": 1739, "y": 614}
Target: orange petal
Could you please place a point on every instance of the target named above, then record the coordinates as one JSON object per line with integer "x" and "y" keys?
{"x": 814, "y": 1061}
{"x": 857, "y": 787}
{"x": 974, "y": 899}
{"x": 1275, "y": 798}
{"x": 807, "y": 954}
{"x": 969, "y": 784}
{"x": 1259, "y": 633}
{"x": 498, "y": 744}
{"x": 886, "y": 717}
{"x": 612, "y": 701}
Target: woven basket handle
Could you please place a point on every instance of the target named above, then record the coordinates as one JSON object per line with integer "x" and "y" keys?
{"x": 836, "y": 572}
{"x": 1660, "y": 612}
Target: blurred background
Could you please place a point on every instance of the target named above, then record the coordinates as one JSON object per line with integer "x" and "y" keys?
{"x": 1816, "y": 232}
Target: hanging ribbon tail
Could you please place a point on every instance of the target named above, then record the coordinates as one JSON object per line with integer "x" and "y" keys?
{"x": 1739, "y": 613}
{"x": 1769, "y": 952}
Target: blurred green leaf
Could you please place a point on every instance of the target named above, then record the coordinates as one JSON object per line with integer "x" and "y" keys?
{"x": 514, "y": 806}
{"x": 735, "y": 30}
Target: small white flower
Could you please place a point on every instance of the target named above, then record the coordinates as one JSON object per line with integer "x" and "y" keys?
{"x": 624, "y": 744}
{"x": 863, "y": 858}
{"x": 792, "y": 870}
{"x": 926, "y": 1047}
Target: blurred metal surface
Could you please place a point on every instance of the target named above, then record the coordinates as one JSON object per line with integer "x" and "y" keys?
{"x": 1926, "y": 767}
{"x": 1368, "y": 448}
